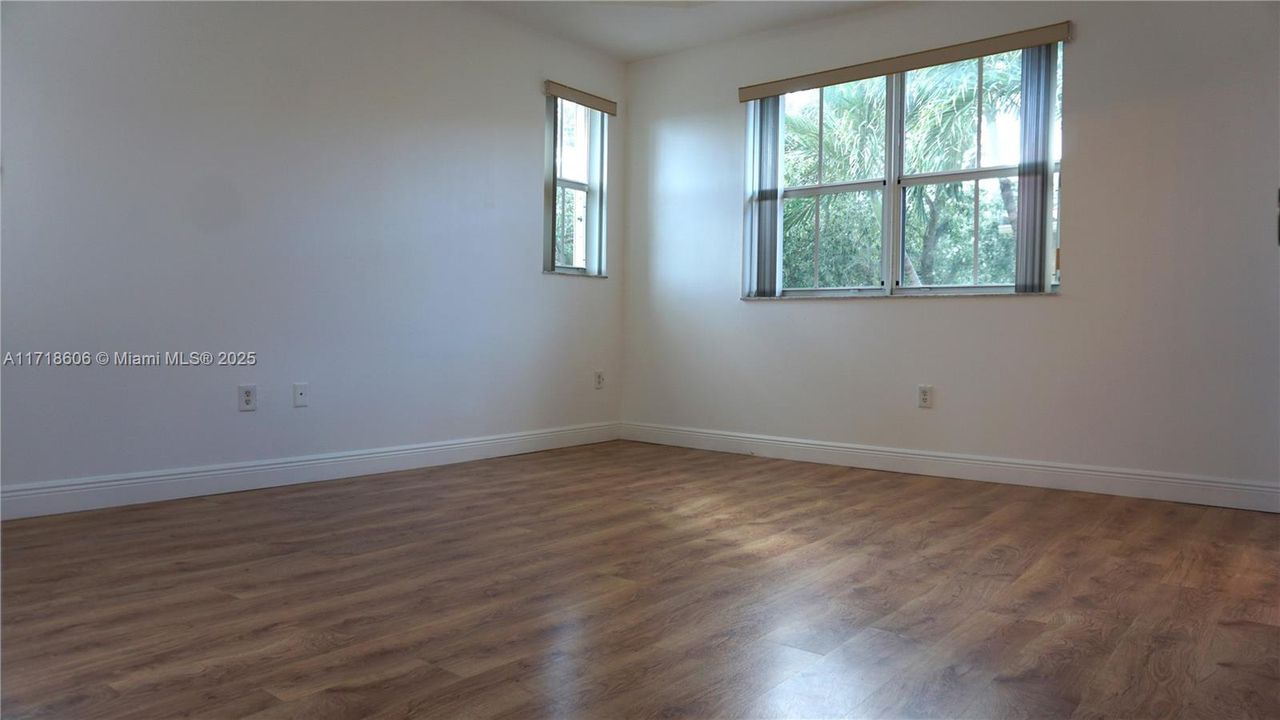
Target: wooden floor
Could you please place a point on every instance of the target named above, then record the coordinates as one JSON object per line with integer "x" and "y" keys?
{"x": 630, "y": 580}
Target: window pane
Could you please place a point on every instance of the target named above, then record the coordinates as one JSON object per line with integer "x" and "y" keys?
{"x": 1056, "y": 145}
{"x": 941, "y": 123}
{"x": 797, "y": 242}
{"x": 938, "y": 235}
{"x": 853, "y": 131}
{"x": 571, "y": 227}
{"x": 1055, "y": 207}
{"x": 997, "y": 225}
{"x": 1001, "y": 109}
{"x": 849, "y": 239}
{"x": 573, "y": 146}
{"x": 1055, "y": 234}
{"x": 800, "y": 138}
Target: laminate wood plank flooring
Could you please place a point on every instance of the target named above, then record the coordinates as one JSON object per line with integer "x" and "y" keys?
{"x": 626, "y": 580}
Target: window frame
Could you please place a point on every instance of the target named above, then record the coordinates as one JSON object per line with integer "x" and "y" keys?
{"x": 595, "y": 188}
{"x": 764, "y": 244}
{"x": 822, "y": 189}
{"x": 975, "y": 175}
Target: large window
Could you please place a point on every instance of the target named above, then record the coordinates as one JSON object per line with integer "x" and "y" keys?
{"x": 933, "y": 180}
{"x": 577, "y": 132}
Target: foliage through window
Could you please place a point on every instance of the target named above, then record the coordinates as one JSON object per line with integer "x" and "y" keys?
{"x": 910, "y": 182}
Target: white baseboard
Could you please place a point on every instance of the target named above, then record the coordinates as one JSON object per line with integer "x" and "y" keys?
{"x": 1248, "y": 495}
{"x": 60, "y": 496}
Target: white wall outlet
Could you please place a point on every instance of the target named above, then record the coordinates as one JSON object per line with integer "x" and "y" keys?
{"x": 599, "y": 379}
{"x": 300, "y": 394}
{"x": 247, "y": 397}
{"x": 924, "y": 395}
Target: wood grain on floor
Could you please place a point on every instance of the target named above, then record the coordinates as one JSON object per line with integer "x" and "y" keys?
{"x": 628, "y": 580}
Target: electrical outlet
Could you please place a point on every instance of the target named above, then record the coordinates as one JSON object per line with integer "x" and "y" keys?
{"x": 924, "y": 397}
{"x": 247, "y": 397}
{"x": 599, "y": 379}
{"x": 300, "y": 394}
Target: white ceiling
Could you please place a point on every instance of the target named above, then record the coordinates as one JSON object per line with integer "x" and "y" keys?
{"x": 636, "y": 30}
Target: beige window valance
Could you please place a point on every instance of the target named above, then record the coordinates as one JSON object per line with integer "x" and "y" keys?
{"x": 952, "y": 53}
{"x": 586, "y": 99}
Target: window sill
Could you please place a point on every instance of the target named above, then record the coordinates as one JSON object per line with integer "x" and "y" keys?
{"x": 571, "y": 273}
{"x": 886, "y": 296}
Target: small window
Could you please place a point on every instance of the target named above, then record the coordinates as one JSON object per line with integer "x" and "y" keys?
{"x": 909, "y": 183}
{"x": 575, "y": 206}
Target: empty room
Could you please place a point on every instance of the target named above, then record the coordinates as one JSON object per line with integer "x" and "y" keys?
{"x": 612, "y": 360}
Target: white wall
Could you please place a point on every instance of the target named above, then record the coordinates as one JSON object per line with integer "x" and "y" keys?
{"x": 1161, "y": 352}
{"x": 353, "y": 191}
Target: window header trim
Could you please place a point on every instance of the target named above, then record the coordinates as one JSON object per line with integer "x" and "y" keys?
{"x": 586, "y": 99}
{"x": 1059, "y": 32}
